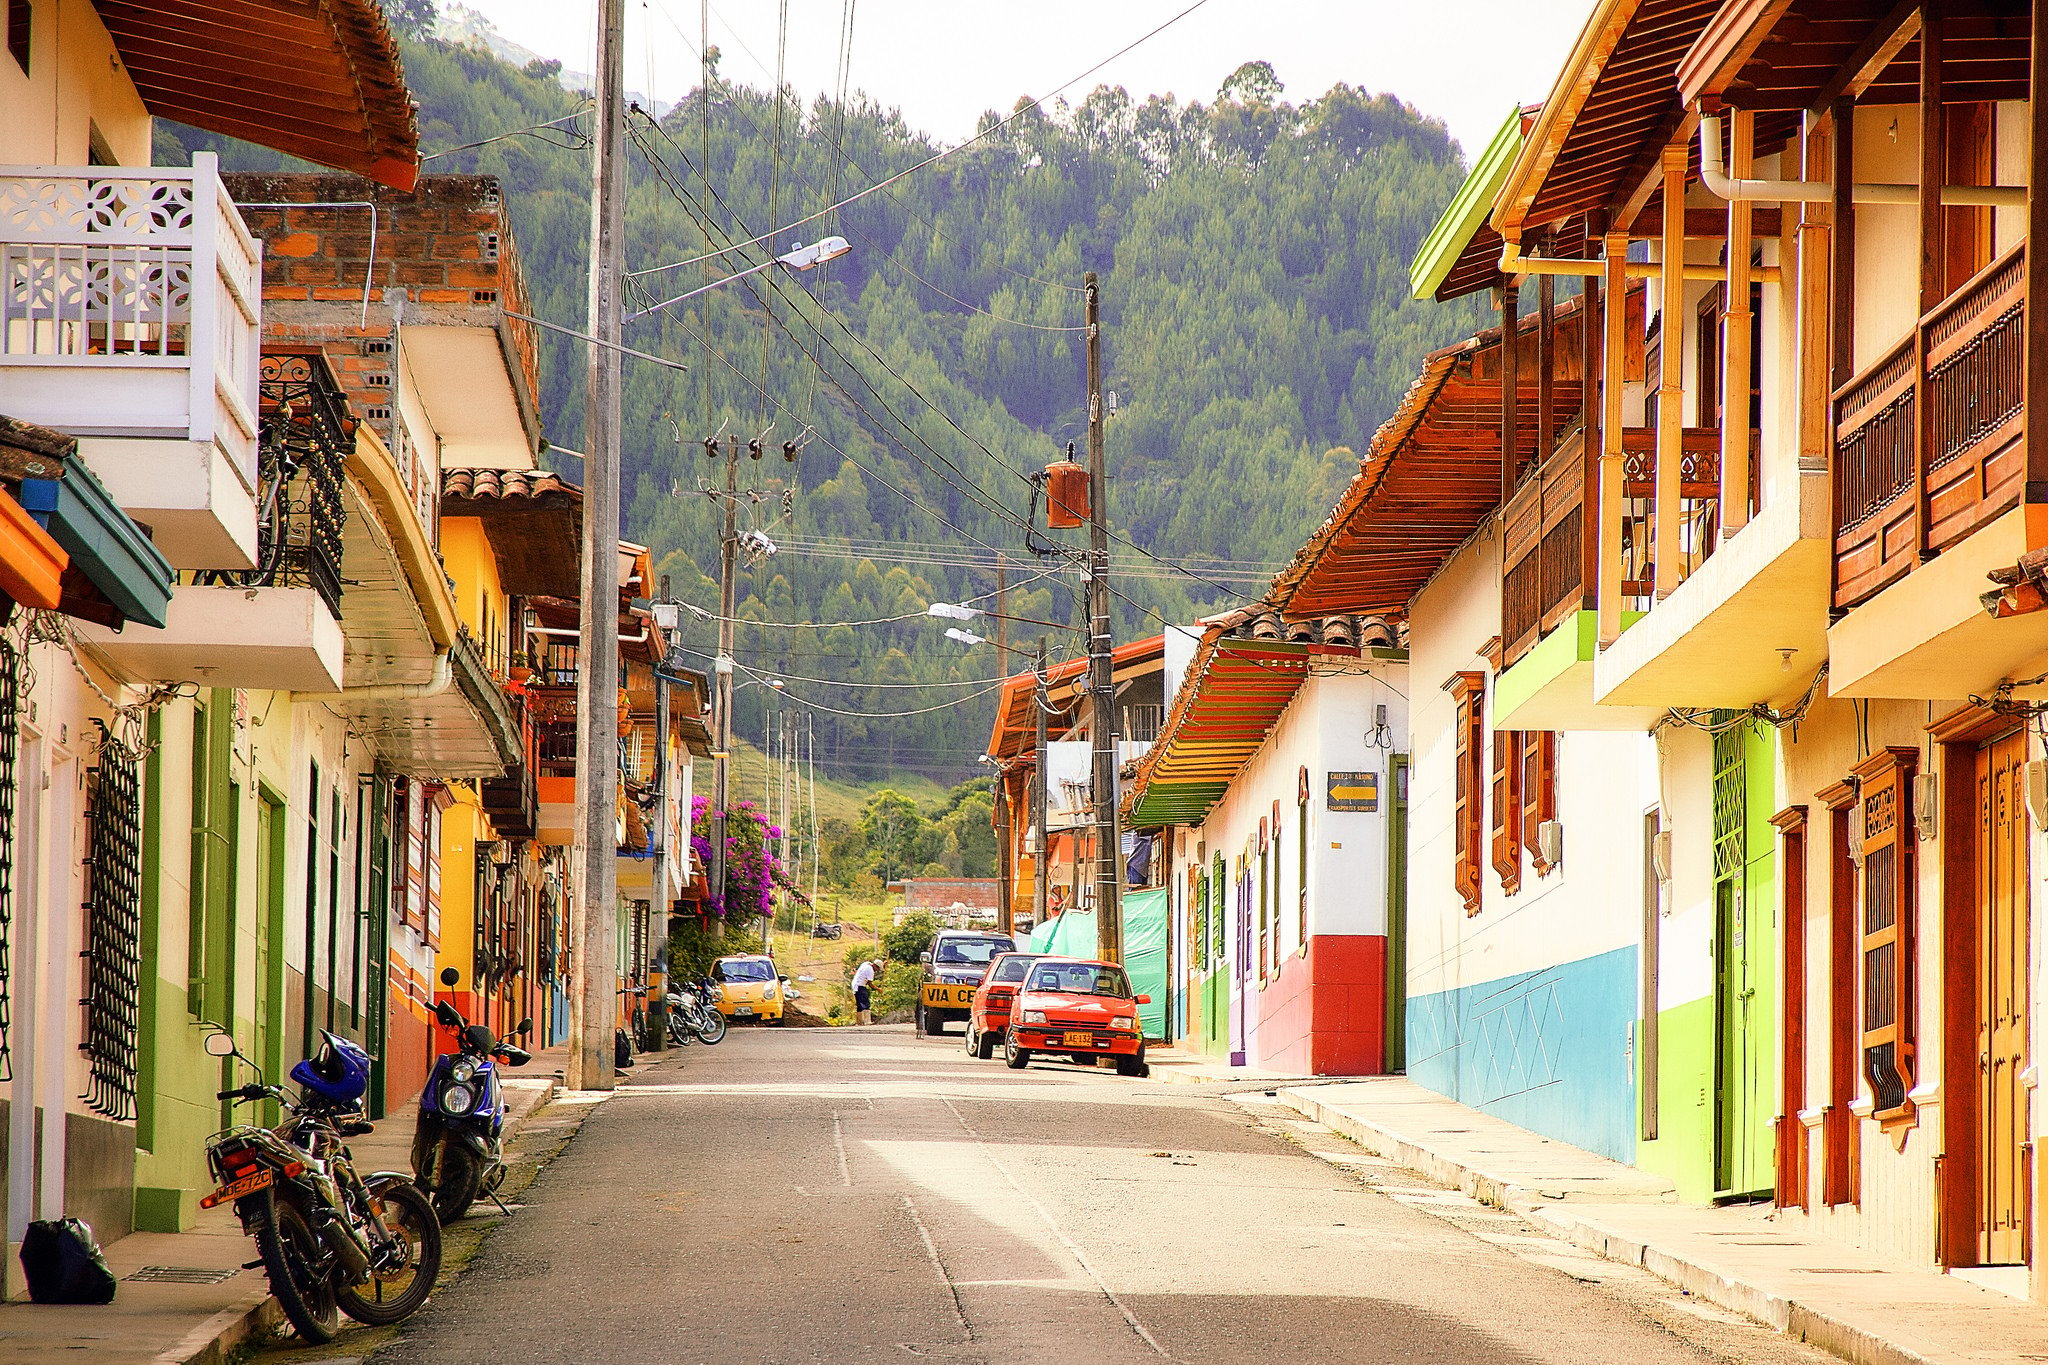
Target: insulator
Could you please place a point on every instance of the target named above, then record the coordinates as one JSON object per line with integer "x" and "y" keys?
{"x": 711, "y": 446}
{"x": 754, "y": 449}
{"x": 789, "y": 451}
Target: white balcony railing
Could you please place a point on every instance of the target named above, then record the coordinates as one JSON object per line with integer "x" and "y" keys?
{"x": 130, "y": 303}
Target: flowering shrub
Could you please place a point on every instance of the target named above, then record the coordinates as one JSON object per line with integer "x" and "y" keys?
{"x": 752, "y": 871}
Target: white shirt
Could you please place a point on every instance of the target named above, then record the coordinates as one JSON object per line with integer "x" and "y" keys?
{"x": 864, "y": 975}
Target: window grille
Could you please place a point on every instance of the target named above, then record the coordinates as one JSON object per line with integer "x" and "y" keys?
{"x": 113, "y": 908}
{"x": 1731, "y": 802}
{"x": 10, "y": 730}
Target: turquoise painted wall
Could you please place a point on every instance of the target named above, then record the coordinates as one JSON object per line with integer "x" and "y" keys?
{"x": 1547, "y": 1050}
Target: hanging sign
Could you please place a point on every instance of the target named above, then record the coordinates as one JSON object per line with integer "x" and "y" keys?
{"x": 1353, "y": 791}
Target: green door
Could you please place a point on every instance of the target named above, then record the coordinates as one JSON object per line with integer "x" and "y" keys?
{"x": 1744, "y": 938}
{"x": 1396, "y": 1059}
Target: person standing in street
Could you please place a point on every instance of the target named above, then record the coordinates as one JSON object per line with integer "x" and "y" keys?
{"x": 863, "y": 992}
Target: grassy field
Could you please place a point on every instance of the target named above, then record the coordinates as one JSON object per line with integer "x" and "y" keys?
{"x": 798, "y": 954}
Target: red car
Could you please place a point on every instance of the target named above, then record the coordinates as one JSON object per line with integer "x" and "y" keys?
{"x": 1080, "y": 1009}
{"x": 990, "y": 1014}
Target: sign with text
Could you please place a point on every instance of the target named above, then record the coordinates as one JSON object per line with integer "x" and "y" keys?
{"x": 1353, "y": 791}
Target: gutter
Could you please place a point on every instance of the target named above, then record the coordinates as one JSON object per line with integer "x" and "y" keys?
{"x": 1713, "y": 174}
{"x": 1513, "y": 262}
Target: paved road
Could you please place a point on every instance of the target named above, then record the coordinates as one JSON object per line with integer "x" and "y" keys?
{"x": 841, "y": 1195}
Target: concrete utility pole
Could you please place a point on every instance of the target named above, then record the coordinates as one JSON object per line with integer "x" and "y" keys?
{"x": 1102, "y": 727}
{"x": 721, "y": 706}
{"x": 1005, "y": 822}
{"x": 1040, "y": 840}
{"x": 657, "y": 910}
{"x": 594, "y": 912}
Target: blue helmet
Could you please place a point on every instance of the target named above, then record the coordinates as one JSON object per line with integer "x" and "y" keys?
{"x": 339, "y": 1071}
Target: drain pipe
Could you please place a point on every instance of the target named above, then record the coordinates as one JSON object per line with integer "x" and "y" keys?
{"x": 1713, "y": 174}
{"x": 436, "y": 683}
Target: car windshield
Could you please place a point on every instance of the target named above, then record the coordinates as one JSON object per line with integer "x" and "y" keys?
{"x": 970, "y": 952}
{"x": 1012, "y": 968}
{"x": 746, "y": 970}
{"x": 1080, "y": 978}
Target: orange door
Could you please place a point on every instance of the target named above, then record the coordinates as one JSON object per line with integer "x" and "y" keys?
{"x": 2002, "y": 996}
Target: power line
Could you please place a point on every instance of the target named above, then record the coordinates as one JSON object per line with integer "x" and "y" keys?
{"x": 1023, "y": 108}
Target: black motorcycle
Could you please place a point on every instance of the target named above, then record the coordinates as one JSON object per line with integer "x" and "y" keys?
{"x": 458, "y": 1150}
{"x": 331, "y": 1241}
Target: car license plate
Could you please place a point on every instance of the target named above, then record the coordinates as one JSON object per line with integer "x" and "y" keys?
{"x": 1078, "y": 1039}
{"x": 256, "y": 1180}
{"x": 744, "y": 1009}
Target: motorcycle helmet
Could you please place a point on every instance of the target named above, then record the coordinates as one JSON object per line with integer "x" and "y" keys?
{"x": 338, "y": 1072}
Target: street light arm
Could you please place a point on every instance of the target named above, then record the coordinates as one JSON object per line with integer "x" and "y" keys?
{"x": 797, "y": 258}
{"x": 950, "y": 611}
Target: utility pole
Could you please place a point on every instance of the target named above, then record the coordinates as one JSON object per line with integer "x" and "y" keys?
{"x": 721, "y": 752}
{"x": 594, "y": 921}
{"x": 658, "y": 902}
{"x": 1102, "y": 727}
{"x": 1040, "y": 840}
{"x": 1005, "y": 823}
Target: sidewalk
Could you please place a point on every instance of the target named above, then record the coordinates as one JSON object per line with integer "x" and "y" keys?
{"x": 1860, "y": 1306}
{"x": 1178, "y": 1067}
{"x": 211, "y": 1305}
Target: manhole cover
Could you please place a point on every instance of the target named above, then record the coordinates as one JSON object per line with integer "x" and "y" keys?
{"x": 181, "y": 1274}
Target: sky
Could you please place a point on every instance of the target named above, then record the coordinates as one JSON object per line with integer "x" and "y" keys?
{"x": 943, "y": 62}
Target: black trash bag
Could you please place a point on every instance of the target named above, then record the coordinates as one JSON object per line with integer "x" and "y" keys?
{"x": 622, "y": 1049}
{"x": 63, "y": 1263}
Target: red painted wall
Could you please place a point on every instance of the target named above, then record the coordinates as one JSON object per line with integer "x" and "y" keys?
{"x": 1325, "y": 1014}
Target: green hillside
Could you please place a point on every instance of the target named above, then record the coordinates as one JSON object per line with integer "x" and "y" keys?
{"x": 1254, "y": 258}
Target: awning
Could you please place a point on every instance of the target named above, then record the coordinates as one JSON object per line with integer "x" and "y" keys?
{"x": 1461, "y": 254}
{"x": 316, "y": 78}
{"x": 31, "y": 561}
{"x": 534, "y": 522}
{"x": 104, "y": 543}
{"x": 1246, "y": 670}
{"x": 1430, "y": 476}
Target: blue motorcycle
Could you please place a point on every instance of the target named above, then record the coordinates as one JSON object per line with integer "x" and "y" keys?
{"x": 458, "y": 1149}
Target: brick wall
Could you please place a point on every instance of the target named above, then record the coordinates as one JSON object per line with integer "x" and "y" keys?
{"x": 448, "y": 245}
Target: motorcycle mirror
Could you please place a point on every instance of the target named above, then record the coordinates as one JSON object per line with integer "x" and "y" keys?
{"x": 449, "y": 976}
{"x": 220, "y": 1045}
{"x": 525, "y": 1026}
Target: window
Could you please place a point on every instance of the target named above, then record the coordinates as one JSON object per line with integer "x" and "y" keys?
{"x": 1301, "y": 855}
{"x": 1468, "y": 690}
{"x": 1838, "y": 1123}
{"x": 1198, "y": 918}
{"x": 1889, "y": 909}
{"x": 1507, "y": 809}
{"x": 113, "y": 925}
{"x": 1218, "y": 921}
{"x": 1265, "y": 909}
{"x": 1539, "y": 793}
{"x": 19, "y": 17}
{"x": 1279, "y": 871}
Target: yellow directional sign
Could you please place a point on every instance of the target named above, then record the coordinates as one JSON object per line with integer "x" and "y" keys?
{"x": 1353, "y": 791}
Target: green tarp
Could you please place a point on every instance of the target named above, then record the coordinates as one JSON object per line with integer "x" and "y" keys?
{"x": 1072, "y": 934}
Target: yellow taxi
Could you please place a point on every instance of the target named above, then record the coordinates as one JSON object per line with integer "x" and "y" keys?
{"x": 747, "y": 987}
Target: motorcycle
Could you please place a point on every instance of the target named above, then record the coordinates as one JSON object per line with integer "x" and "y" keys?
{"x": 692, "y": 1017}
{"x": 458, "y": 1149}
{"x": 330, "y": 1240}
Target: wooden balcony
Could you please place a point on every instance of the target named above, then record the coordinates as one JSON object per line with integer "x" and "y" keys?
{"x": 1930, "y": 439}
{"x": 1543, "y": 562}
{"x": 1543, "y": 578}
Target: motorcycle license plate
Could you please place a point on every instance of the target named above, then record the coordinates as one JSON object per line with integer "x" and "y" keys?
{"x": 258, "y": 1179}
{"x": 1078, "y": 1039}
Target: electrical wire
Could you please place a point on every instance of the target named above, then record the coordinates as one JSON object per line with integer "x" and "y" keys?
{"x": 1024, "y": 107}
{"x": 580, "y": 142}
{"x": 849, "y": 682}
{"x": 891, "y": 715}
{"x": 705, "y": 615}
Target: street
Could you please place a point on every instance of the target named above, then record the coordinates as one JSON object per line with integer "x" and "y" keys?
{"x": 841, "y": 1194}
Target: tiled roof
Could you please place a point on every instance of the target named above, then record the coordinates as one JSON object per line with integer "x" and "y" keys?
{"x": 475, "y": 484}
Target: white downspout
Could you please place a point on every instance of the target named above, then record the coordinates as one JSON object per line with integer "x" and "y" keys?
{"x": 436, "y": 683}
{"x": 1714, "y": 176}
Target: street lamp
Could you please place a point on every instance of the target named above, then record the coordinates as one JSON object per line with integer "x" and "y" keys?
{"x": 799, "y": 258}
{"x": 953, "y": 611}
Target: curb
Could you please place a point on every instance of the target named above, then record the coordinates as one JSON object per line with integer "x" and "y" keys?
{"x": 215, "y": 1341}
{"x": 1577, "y": 1226}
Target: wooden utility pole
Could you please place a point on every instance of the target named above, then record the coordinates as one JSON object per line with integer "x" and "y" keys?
{"x": 721, "y": 706}
{"x": 658, "y": 901}
{"x": 1102, "y": 727}
{"x": 594, "y": 916}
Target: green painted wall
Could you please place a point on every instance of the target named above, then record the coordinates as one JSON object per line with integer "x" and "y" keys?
{"x": 1214, "y": 994}
{"x": 1684, "y": 1146}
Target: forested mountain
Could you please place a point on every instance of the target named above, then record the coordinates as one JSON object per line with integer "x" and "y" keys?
{"x": 1253, "y": 256}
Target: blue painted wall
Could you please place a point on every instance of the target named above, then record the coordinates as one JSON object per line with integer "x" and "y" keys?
{"x": 1547, "y": 1050}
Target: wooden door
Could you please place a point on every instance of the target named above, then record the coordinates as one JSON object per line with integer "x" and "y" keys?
{"x": 2002, "y": 997}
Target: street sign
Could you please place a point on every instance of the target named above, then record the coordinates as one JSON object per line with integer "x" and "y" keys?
{"x": 1353, "y": 791}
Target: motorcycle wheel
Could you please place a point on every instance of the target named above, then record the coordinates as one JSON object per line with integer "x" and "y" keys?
{"x": 460, "y": 1175}
{"x": 711, "y": 1028}
{"x": 297, "y": 1265}
{"x": 396, "y": 1294}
